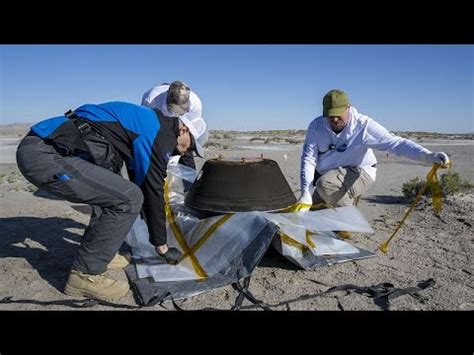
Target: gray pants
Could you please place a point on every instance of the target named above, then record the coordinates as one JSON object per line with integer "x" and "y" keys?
{"x": 116, "y": 202}
{"x": 340, "y": 186}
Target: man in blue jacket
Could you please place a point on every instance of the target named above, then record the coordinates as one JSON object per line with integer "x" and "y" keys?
{"x": 78, "y": 156}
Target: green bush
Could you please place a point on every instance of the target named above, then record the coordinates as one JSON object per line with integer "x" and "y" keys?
{"x": 11, "y": 178}
{"x": 211, "y": 144}
{"x": 451, "y": 183}
{"x": 412, "y": 188}
{"x": 31, "y": 188}
{"x": 292, "y": 141}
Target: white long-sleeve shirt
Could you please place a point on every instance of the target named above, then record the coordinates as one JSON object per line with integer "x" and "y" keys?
{"x": 325, "y": 150}
{"x": 156, "y": 98}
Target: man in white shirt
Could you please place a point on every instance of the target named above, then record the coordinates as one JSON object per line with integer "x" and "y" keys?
{"x": 338, "y": 164}
{"x": 173, "y": 100}
{"x": 178, "y": 100}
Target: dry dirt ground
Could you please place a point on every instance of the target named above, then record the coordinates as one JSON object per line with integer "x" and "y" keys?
{"x": 39, "y": 236}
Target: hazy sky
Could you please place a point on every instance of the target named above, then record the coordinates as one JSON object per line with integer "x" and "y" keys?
{"x": 249, "y": 87}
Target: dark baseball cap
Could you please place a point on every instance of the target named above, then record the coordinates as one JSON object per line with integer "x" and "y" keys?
{"x": 178, "y": 97}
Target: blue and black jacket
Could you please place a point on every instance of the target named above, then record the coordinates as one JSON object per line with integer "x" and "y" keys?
{"x": 145, "y": 140}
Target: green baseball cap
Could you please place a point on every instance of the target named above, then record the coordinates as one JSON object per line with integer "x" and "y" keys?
{"x": 335, "y": 103}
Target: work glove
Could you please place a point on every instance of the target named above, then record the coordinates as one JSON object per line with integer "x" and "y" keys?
{"x": 172, "y": 256}
{"x": 440, "y": 158}
{"x": 304, "y": 202}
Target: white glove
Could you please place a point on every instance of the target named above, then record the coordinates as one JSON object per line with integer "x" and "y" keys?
{"x": 306, "y": 198}
{"x": 440, "y": 158}
{"x": 305, "y": 201}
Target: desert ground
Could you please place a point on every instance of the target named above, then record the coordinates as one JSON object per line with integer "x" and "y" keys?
{"x": 39, "y": 235}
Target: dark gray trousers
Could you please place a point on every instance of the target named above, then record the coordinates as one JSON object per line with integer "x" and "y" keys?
{"x": 116, "y": 202}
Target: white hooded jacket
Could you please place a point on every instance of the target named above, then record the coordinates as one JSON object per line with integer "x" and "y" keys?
{"x": 156, "y": 98}
{"x": 325, "y": 150}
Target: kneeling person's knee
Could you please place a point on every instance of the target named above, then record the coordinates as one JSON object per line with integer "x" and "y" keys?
{"x": 133, "y": 201}
{"x": 332, "y": 191}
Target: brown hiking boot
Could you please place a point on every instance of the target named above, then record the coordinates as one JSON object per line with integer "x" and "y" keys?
{"x": 100, "y": 287}
{"x": 344, "y": 234}
{"x": 118, "y": 262}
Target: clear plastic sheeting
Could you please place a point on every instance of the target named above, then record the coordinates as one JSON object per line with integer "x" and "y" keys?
{"x": 307, "y": 238}
{"x": 209, "y": 252}
{"x": 322, "y": 249}
{"x": 211, "y": 245}
{"x": 330, "y": 219}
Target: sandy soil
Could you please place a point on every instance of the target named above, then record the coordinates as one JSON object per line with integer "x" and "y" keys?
{"x": 39, "y": 235}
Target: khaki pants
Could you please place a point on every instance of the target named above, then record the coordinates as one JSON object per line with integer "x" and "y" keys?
{"x": 340, "y": 186}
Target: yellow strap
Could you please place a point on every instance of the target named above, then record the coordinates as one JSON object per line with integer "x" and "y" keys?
{"x": 431, "y": 180}
{"x": 206, "y": 235}
{"x": 309, "y": 240}
{"x": 170, "y": 216}
{"x": 303, "y": 206}
{"x": 285, "y": 238}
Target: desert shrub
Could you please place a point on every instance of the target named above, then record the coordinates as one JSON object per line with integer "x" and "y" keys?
{"x": 412, "y": 187}
{"x": 12, "y": 178}
{"x": 451, "y": 183}
{"x": 31, "y": 188}
{"x": 211, "y": 144}
{"x": 292, "y": 141}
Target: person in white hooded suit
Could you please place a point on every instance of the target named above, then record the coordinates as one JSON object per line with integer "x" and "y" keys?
{"x": 338, "y": 163}
{"x": 178, "y": 100}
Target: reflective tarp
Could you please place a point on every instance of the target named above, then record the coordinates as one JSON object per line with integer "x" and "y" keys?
{"x": 222, "y": 249}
